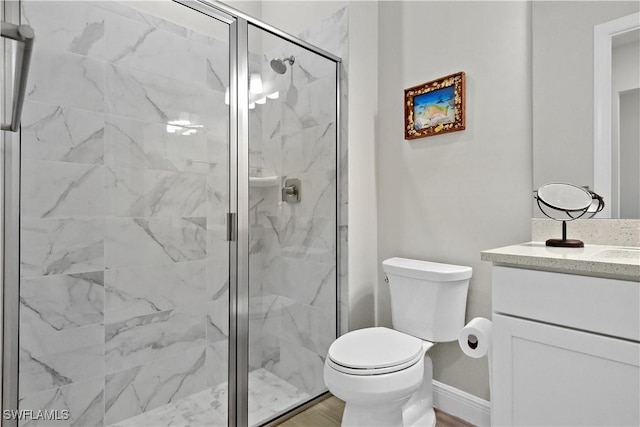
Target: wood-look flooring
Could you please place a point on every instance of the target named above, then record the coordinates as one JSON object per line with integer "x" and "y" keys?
{"x": 328, "y": 413}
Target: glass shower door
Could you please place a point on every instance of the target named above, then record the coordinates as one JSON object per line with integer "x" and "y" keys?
{"x": 124, "y": 271}
{"x": 292, "y": 222}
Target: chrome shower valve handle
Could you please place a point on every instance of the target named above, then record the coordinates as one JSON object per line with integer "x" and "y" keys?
{"x": 291, "y": 190}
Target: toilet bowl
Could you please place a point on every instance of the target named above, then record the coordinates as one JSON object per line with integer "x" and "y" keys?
{"x": 384, "y": 375}
{"x": 385, "y": 369}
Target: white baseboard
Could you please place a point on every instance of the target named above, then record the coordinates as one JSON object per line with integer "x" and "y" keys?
{"x": 461, "y": 404}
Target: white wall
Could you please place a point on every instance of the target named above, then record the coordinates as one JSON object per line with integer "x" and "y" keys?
{"x": 448, "y": 197}
{"x": 363, "y": 107}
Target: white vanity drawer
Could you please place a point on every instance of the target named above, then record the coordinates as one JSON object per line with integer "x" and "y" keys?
{"x": 605, "y": 306}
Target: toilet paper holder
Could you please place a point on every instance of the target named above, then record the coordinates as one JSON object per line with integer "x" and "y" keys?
{"x": 472, "y": 340}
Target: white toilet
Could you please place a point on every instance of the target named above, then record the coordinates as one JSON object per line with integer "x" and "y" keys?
{"x": 384, "y": 375}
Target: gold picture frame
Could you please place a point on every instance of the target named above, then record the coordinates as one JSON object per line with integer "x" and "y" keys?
{"x": 435, "y": 107}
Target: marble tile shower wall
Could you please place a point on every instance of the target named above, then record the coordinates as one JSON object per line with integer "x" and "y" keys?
{"x": 332, "y": 35}
{"x": 294, "y": 247}
{"x": 124, "y": 297}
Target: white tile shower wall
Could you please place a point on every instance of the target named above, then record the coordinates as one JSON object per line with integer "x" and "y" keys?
{"x": 123, "y": 260}
{"x": 332, "y": 35}
{"x": 294, "y": 306}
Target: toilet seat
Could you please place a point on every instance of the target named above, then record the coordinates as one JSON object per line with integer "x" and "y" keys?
{"x": 374, "y": 371}
{"x": 375, "y": 351}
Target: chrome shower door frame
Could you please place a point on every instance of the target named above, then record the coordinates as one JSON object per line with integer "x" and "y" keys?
{"x": 239, "y": 203}
{"x": 239, "y": 169}
{"x": 10, "y": 146}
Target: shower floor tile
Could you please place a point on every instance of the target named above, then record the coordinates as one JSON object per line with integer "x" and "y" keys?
{"x": 268, "y": 396}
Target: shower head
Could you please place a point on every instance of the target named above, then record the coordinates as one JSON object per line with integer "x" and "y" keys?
{"x": 278, "y": 64}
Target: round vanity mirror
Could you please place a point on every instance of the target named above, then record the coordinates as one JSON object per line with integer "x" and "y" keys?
{"x": 566, "y": 202}
{"x": 565, "y": 197}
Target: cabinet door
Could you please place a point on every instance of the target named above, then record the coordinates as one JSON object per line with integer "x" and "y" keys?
{"x": 552, "y": 376}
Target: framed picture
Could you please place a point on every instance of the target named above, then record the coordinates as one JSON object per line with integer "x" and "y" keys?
{"x": 434, "y": 107}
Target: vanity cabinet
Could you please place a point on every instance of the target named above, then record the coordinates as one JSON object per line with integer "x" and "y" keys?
{"x": 566, "y": 349}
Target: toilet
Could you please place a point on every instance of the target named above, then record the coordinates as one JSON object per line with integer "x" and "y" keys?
{"x": 385, "y": 375}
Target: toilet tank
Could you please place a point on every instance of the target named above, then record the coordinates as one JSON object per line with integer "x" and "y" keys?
{"x": 428, "y": 299}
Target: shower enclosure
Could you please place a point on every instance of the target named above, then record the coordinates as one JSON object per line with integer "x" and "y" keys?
{"x": 173, "y": 192}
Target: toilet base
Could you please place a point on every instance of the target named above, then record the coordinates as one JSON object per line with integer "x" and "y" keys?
{"x": 413, "y": 411}
{"x": 372, "y": 416}
{"x": 418, "y": 411}
{"x": 426, "y": 420}
{"x": 384, "y": 416}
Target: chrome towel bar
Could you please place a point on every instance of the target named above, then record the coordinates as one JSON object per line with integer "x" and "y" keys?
{"x": 24, "y": 35}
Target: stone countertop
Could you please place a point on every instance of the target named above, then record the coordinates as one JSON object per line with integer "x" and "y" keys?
{"x": 616, "y": 262}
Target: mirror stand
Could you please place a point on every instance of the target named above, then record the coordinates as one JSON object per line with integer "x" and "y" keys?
{"x": 564, "y": 242}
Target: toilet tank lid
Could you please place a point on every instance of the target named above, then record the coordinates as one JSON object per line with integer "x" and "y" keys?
{"x": 427, "y": 270}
